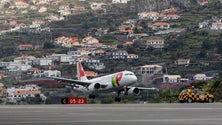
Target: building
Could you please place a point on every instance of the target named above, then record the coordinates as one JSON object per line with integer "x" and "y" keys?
{"x": 201, "y": 77}
{"x": 61, "y": 58}
{"x": 91, "y": 74}
{"x": 171, "y": 78}
{"x": 18, "y": 67}
{"x": 52, "y": 73}
{"x": 89, "y": 40}
{"x": 132, "y": 56}
{"x": 46, "y": 61}
{"x": 147, "y": 73}
{"x": 160, "y": 26}
{"x": 26, "y": 47}
{"x": 119, "y": 55}
{"x": 98, "y": 6}
{"x": 182, "y": 62}
{"x": 15, "y": 95}
{"x": 24, "y": 59}
{"x": 216, "y": 25}
{"x": 148, "y": 15}
{"x": 155, "y": 43}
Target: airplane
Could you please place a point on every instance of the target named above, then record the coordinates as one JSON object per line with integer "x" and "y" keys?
{"x": 116, "y": 82}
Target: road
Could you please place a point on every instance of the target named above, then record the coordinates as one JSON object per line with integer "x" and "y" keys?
{"x": 110, "y": 114}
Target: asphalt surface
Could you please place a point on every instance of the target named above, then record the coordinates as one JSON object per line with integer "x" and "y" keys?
{"x": 113, "y": 114}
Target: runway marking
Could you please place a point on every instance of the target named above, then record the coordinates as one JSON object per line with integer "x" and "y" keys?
{"x": 116, "y": 121}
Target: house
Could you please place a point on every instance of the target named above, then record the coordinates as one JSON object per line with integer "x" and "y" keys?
{"x": 98, "y": 6}
{"x": 168, "y": 17}
{"x": 155, "y": 43}
{"x": 24, "y": 59}
{"x": 119, "y": 1}
{"x": 201, "y": 77}
{"x": 170, "y": 10}
{"x": 67, "y": 42}
{"x": 42, "y": 9}
{"x": 2, "y": 76}
{"x": 91, "y": 74}
{"x": 128, "y": 43}
{"x": 25, "y": 47}
{"x": 65, "y": 12}
{"x": 160, "y": 25}
{"x": 148, "y": 15}
{"x": 216, "y": 25}
{"x": 82, "y": 58}
{"x": 90, "y": 40}
{"x": 21, "y": 5}
{"x": 151, "y": 69}
{"x": 182, "y": 62}
{"x": 94, "y": 64}
{"x": 45, "y": 61}
{"x": 171, "y": 78}
{"x": 61, "y": 58}
{"x": 77, "y": 53}
{"x": 147, "y": 73}
{"x": 79, "y": 8}
{"x": 119, "y": 55}
{"x": 204, "y": 24}
{"x": 100, "y": 52}
{"x": 132, "y": 56}
{"x": 52, "y": 73}
{"x": 15, "y": 95}
{"x": 14, "y": 67}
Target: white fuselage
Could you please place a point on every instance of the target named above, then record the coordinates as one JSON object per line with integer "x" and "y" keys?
{"x": 112, "y": 82}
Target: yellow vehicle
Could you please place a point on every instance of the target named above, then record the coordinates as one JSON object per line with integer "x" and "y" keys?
{"x": 195, "y": 95}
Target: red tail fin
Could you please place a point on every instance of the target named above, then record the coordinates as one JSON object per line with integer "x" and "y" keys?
{"x": 80, "y": 72}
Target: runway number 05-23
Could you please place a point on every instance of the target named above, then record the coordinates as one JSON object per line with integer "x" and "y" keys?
{"x": 73, "y": 100}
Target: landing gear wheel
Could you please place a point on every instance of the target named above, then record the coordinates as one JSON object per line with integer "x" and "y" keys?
{"x": 92, "y": 96}
{"x": 117, "y": 99}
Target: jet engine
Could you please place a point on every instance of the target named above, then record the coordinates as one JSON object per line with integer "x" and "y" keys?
{"x": 133, "y": 91}
{"x": 94, "y": 86}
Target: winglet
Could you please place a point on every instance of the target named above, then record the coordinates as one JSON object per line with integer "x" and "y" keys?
{"x": 81, "y": 73}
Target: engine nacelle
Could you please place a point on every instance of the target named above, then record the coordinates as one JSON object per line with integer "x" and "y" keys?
{"x": 133, "y": 91}
{"x": 94, "y": 86}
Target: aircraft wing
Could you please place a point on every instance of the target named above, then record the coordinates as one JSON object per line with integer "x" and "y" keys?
{"x": 144, "y": 88}
{"x": 73, "y": 81}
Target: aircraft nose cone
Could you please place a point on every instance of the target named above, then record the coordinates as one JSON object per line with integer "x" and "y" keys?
{"x": 134, "y": 79}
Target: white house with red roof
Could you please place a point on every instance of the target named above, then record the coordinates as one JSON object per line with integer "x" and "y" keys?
{"x": 216, "y": 25}
{"x": 148, "y": 15}
{"x": 89, "y": 40}
{"x": 21, "y": 4}
{"x": 160, "y": 25}
{"x": 155, "y": 43}
{"x": 67, "y": 42}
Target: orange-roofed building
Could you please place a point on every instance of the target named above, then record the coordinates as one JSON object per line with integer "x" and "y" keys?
{"x": 170, "y": 10}
{"x": 132, "y": 56}
{"x": 25, "y": 47}
{"x": 21, "y": 4}
{"x": 128, "y": 43}
{"x": 100, "y": 52}
{"x": 2, "y": 76}
{"x": 91, "y": 74}
{"x": 160, "y": 25}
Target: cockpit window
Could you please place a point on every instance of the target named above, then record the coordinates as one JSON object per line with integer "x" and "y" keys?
{"x": 129, "y": 74}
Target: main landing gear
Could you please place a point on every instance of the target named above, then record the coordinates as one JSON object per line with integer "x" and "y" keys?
{"x": 91, "y": 96}
{"x": 118, "y": 99}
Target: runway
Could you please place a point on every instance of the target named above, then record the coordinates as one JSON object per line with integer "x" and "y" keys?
{"x": 112, "y": 114}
